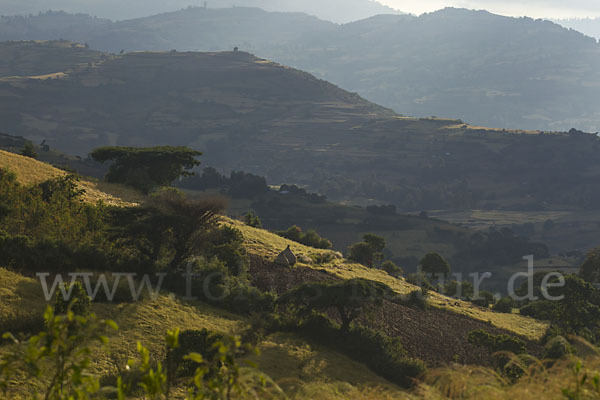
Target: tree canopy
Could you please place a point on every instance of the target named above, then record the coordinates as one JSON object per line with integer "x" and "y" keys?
{"x": 349, "y": 298}
{"x": 590, "y": 269}
{"x": 368, "y": 251}
{"x": 433, "y": 263}
{"x": 149, "y": 167}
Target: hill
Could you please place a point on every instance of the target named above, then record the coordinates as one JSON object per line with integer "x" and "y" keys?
{"x": 331, "y": 10}
{"x": 248, "y": 113}
{"x": 513, "y": 73}
{"x": 30, "y": 172}
{"x": 298, "y": 365}
{"x": 587, "y": 26}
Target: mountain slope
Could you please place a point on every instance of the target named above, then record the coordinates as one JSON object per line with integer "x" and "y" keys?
{"x": 31, "y": 172}
{"x": 247, "y": 113}
{"x": 486, "y": 69}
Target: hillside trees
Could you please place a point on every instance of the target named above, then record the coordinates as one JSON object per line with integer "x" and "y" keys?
{"x": 433, "y": 264}
{"x": 349, "y": 298}
{"x": 168, "y": 224}
{"x": 310, "y": 238}
{"x": 28, "y": 150}
{"x": 590, "y": 269}
{"x": 368, "y": 251}
{"x": 147, "y": 168}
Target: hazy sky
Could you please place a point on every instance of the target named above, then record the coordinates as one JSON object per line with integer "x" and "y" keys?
{"x": 531, "y": 8}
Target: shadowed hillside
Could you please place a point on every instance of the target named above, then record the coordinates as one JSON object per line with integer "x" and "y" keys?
{"x": 486, "y": 69}
{"x": 247, "y": 113}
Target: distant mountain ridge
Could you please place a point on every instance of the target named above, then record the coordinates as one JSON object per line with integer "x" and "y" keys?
{"x": 483, "y": 68}
{"x": 587, "y": 26}
{"x": 340, "y": 11}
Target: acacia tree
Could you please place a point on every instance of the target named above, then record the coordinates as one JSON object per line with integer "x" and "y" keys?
{"x": 149, "y": 167}
{"x": 349, "y": 298}
{"x": 167, "y": 219}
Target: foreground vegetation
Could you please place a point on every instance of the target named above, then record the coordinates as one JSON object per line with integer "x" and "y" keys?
{"x": 244, "y": 301}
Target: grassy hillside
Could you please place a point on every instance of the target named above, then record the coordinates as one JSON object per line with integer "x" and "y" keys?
{"x": 30, "y": 171}
{"x": 268, "y": 245}
{"x": 297, "y": 365}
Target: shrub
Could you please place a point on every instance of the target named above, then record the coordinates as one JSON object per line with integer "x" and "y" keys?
{"x": 485, "y": 299}
{"x": 462, "y": 290}
{"x": 28, "y": 150}
{"x": 542, "y": 310}
{"x": 384, "y": 355}
{"x": 419, "y": 279}
{"x": 496, "y": 343}
{"x": 310, "y": 238}
{"x": 504, "y": 305}
{"x": 251, "y": 219}
{"x": 557, "y": 347}
{"x": 193, "y": 341}
{"x": 391, "y": 268}
{"x": 417, "y": 299}
{"x": 78, "y": 301}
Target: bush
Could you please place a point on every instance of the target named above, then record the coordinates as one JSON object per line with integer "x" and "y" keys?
{"x": 557, "y": 347}
{"x": 485, "y": 299}
{"x": 542, "y": 310}
{"x": 504, "y": 305}
{"x": 251, "y": 219}
{"x": 496, "y": 343}
{"x": 384, "y": 355}
{"x": 310, "y": 238}
{"x": 78, "y": 301}
{"x": 419, "y": 279}
{"x": 462, "y": 290}
{"x": 417, "y": 299}
{"x": 193, "y": 341}
{"x": 391, "y": 268}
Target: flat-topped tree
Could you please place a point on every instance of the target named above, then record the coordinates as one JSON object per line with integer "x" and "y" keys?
{"x": 146, "y": 168}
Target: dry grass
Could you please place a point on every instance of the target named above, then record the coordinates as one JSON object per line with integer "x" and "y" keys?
{"x": 30, "y": 172}
{"x": 304, "y": 370}
{"x": 539, "y": 382}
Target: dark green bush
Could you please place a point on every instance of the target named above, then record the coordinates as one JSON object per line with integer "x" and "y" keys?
{"x": 391, "y": 268}
{"x": 557, "y": 347}
{"x": 310, "y": 238}
{"x": 485, "y": 299}
{"x": 542, "y": 310}
{"x": 193, "y": 341}
{"x": 496, "y": 343}
{"x": 382, "y": 354}
{"x": 78, "y": 301}
{"x": 417, "y": 299}
{"x": 504, "y": 305}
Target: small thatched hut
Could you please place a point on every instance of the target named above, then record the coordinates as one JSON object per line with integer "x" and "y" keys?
{"x": 286, "y": 258}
